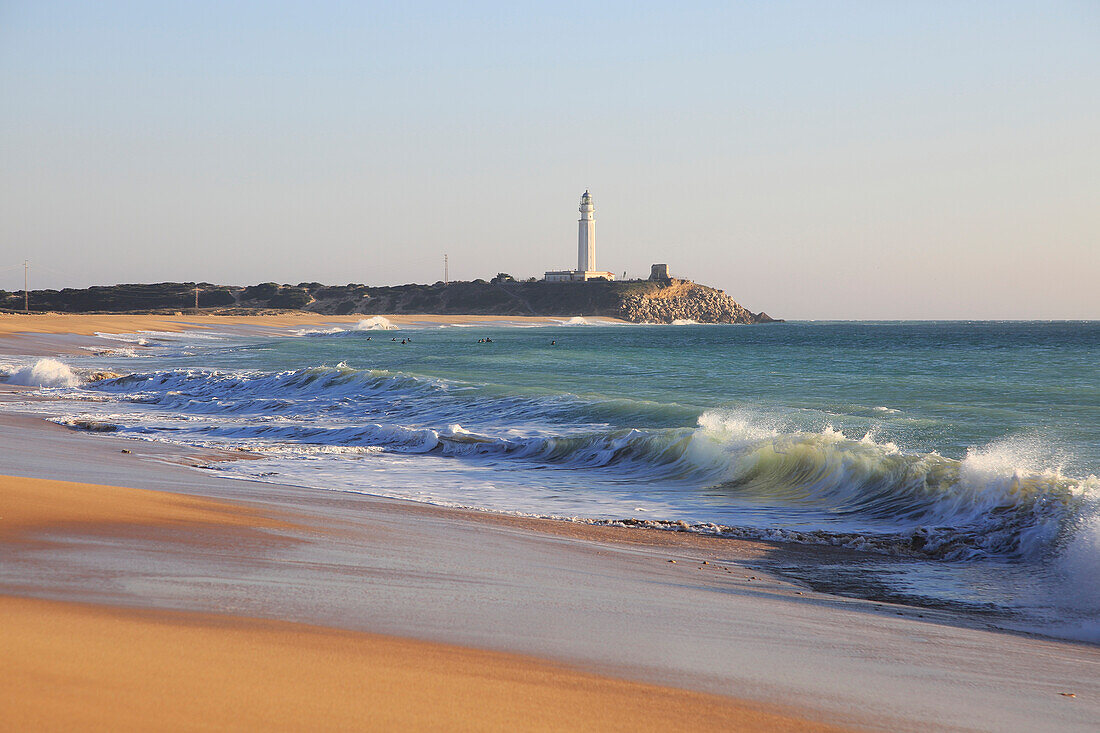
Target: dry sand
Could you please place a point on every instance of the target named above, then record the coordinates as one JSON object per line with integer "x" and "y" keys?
{"x": 28, "y": 504}
{"x": 69, "y": 666}
{"x": 67, "y": 323}
{"x": 88, "y": 324}
{"x": 51, "y": 334}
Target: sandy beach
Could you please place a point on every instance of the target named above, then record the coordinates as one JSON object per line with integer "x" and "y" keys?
{"x": 127, "y": 668}
{"x": 51, "y": 333}
{"x": 142, "y": 589}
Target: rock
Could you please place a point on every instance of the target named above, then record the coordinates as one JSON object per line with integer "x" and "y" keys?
{"x": 683, "y": 300}
{"x": 101, "y": 375}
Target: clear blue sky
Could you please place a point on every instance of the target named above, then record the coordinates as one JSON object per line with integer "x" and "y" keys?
{"x": 815, "y": 159}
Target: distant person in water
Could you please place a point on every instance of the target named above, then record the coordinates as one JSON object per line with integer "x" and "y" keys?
{"x": 553, "y": 343}
{"x": 404, "y": 341}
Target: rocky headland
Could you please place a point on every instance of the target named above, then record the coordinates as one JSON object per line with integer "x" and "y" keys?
{"x": 639, "y": 301}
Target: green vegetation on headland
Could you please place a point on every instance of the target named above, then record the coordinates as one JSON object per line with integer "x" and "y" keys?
{"x": 653, "y": 301}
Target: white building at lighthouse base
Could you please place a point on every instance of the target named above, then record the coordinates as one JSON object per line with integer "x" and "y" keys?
{"x": 576, "y": 276}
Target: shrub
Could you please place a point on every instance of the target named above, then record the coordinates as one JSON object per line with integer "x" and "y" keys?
{"x": 263, "y": 291}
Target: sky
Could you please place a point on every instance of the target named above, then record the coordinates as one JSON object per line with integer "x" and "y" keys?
{"x": 817, "y": 160}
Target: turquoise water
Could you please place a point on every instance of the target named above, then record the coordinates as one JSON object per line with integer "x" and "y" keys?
{"x": 962, "y": 457}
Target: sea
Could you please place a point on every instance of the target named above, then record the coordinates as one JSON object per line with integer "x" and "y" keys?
{"x": 947, "y": 464}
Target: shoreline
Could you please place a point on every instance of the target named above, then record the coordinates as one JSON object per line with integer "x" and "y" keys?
{"x": 271, "y": 672}
{"x": 549, "y": 590}
{"x": 600, "y": 599}
{"x": 88, "y": 323}
{"x": 41, "y": 516}
{"x": 59, "y": 334}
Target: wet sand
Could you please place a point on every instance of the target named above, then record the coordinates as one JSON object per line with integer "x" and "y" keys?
{"x": 79, "y": 666}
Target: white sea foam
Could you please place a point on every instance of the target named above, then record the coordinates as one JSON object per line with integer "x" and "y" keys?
{"x": 130, "y": 338}
{"x": 1079, "y": 572}
{"x": 996, "y": 501}
{"x": 44, "y": 373}
{"x": 127, "y": 352}
{"x": 375, "y": 323}
{"x": 317, "y": 331}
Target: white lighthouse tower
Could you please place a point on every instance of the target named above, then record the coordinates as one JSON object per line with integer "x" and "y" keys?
{"x": 586, "y": 235}
{"x": 586, "y": 249}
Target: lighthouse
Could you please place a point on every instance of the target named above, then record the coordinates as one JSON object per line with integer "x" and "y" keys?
{"x": 586, "y": 249}
{"x": 586, "y": 235}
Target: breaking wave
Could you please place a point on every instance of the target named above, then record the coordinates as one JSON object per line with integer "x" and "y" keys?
{"x": 375, "y": 323}
{"x": 43, "y": 373}
{"x": 998, "y": 501}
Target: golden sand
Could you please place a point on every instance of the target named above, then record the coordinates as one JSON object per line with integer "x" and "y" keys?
{"x": 28, "y": 504}
{"x": 80, "y": 324}
{"x": 70, "y": 666}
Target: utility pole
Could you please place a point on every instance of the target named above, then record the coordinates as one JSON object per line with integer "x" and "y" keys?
{"x": 446, "y": 271}
{"x": 26, "y": 293}
{"x": 196, "y": 297}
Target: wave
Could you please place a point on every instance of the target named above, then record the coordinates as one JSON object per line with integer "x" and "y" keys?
{"x": 994, "y": 502}
{"x": 130, "y": 338}
{"x": 998, "y": 501}
{"x": 127, "y": 352}
{"x": 201, "y": 391}
{"x": 318, "y": 331}
{"x": 344, "y": 391}
{"x": 374, "y": 323}
{"x": 913, "y": 505}
{"x": 43, "y": 373}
